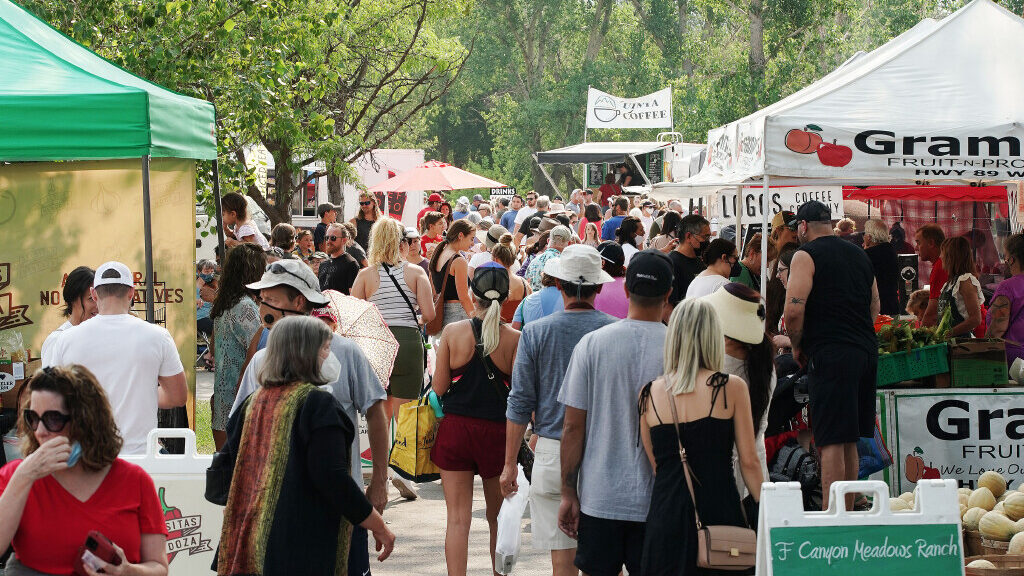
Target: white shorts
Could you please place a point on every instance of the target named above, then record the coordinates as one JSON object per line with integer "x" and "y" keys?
{"x": 546, "y": 497}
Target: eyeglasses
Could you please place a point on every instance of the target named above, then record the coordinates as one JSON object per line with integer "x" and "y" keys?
{"x": 53, "y": 420}
{"x": 336, "y": 238}
{"x": 277, "y": 268}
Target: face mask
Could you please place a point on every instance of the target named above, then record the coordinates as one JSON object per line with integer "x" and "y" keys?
{"x": 639, "y": 240}
{"x": 206, "y": 278}
{"x": 330, "y": 369}
{"x": 269, "y": 319}
{"x": 736, "y": 270}
{"x": 703, "y": 246}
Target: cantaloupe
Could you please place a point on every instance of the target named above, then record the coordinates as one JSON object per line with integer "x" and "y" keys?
{"x": 999, "y": 508}
{"x": 963, "y": 510}
{"x": 983, "y": 564}
{"x": 982, "y": 498}
{"x": 962, "y": 498}
{"x": 898, "y": 505}
{"x": 994, "y": 481}
{"x": 995, "y": 526}
{"x": 1016, "y": 544}
{"x": 1020, "y": 525}
{"x": 965, "y": 491}
{"x": 972, "y": 517}
{"x": 907, "y": 497}
{"x": 1013, "y": 506}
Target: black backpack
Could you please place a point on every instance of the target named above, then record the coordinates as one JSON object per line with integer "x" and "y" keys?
{"x": 794, "y": 464}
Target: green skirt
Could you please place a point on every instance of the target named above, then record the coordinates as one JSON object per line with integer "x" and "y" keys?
{"x": 407, "y": 375}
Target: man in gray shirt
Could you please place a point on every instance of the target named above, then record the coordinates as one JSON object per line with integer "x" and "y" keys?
{"x": 545, "y": 348}
{"x": 606, "y": 477}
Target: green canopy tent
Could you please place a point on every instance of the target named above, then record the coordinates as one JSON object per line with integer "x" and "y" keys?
{"x": 60, "y": 101}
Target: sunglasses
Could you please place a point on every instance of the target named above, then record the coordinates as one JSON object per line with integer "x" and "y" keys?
{"x": 366, "y": 203}
{"x": 53, "y": 421}
{"x": 336, "y": 238}
{"x": 276, "y": 268}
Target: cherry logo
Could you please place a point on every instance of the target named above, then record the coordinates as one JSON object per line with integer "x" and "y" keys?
{"x": 809, "y": 141}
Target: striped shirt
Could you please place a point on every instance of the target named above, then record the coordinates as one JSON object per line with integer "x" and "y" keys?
{"x": 389, "y": 302}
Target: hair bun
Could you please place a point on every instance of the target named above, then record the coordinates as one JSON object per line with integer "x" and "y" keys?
{"x": 505, "y": 240}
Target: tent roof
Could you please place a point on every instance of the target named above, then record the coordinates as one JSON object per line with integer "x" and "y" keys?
{"x": 599, "y": 152}
{"x": 938, "y": 80}
{"x": 60, "y": 101}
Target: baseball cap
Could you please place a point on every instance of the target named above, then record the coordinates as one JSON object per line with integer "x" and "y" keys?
{"x": 291, "y": 273}
{"x": 649, "y": 274}
{"x": 116, "y": 272}
{"x": 812, "y": 211}
{"x": 435, "y": 197}
{"x": 462, "y": 201}
{"x": 611, "y": 252}
{"x": 325, "y": 208}
{"x": 319, "y": 256}
{"x": 490, "y": 282}
{"x": 579, "y": 264}
{"x": 494, "y": 233}
{"x": 561, "y": 231}
{"x": 782, "y": 219}
{"x": 411, "y": 233}
{"x": 478, "y": 198}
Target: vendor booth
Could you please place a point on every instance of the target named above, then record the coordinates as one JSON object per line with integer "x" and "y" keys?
{"x": 929, "y": 120}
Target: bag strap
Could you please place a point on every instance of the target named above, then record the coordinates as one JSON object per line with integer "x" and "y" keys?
{"x": 444, "y": 280}
{"x": 488, "y": 363}
{"x": 387, "y": 270}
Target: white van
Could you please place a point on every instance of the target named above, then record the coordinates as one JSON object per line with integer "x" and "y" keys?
{"x": 206, "y": 247}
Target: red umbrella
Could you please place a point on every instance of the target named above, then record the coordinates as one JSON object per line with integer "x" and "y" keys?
{"x": 435, "y": 175}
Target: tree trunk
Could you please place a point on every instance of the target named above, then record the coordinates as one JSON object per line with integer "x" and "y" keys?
{"x": 756, "y": 56}
{"x": 334, "y": 195}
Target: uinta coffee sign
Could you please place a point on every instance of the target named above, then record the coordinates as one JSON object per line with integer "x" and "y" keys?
{"x": 958, "y": 435}
{"x": 813, "y": 149}
{"x": 651, "y": 111}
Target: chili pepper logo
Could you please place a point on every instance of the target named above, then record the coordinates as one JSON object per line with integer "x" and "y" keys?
{"x": 170, "y": 515}
{"x": 183, "y": 532}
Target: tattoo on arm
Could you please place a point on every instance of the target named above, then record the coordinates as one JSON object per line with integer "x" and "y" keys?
{"x": 798, "y": 300}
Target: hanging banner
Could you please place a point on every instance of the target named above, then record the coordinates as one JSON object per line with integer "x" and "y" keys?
{"x": 958, "y": 434}
{"x": 650, "y": 111}
{"x": 57, "y": 216}
{"x": 779, "y": 199}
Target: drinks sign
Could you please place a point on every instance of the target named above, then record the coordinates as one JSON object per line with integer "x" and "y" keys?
{"x": 869, "y": 549}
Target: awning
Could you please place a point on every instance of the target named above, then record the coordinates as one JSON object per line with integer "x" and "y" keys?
{"x": 936, "y": 193}
{"x": 599, "y": 152}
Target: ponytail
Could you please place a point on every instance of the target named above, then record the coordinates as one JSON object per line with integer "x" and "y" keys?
{"x": 490, "y": 332}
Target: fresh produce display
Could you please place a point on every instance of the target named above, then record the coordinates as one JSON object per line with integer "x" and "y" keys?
{"x": 994, "y": 481}
{"x": 1016, "y": 544}
{"x": 982, "y": 498}
{"x": 901, "y": 336}
{"x": 898, "y": 505}
{"x": 996, "y": 526}
{"x": 972, "y": 517}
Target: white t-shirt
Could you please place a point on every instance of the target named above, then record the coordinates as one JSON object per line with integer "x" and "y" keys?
{"x": 705, "y": 284}
{"x": 50, "y": 341}
{"x": 479, "y": 259}
{"x": 127, "y": 355}
{"x": 524, "y": 213}
{"x": 250, "y": 229}
{"x": 627, "y": 251}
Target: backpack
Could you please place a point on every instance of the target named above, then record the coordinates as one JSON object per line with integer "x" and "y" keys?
{"x": 794, "y": 464}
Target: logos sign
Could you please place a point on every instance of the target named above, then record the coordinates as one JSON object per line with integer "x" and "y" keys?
{"x": 867, "y": 549}
{"x": 958, "y": 435}
{"x": 814, "y": 149}
{"x": 779, "y": 199}
{"x": 651, "y": 111}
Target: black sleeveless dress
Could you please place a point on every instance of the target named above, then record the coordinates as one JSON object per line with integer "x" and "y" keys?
{"x": 670, "y": 544}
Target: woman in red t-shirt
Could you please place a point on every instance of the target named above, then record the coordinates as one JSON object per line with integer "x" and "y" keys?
{"x": 48, "y": 507}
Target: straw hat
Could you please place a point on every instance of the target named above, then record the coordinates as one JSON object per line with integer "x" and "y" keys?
{"x": 742, "y": 317}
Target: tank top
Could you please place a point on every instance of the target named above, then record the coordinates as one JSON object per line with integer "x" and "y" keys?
{"x": 389, "y": 301}
{"x": 363, "y": 232}
{"x": 508, "y": 309}
{"x": 838, "y": 310}
{"x": 473, "y": 394}
{"x": 451, "y": 292}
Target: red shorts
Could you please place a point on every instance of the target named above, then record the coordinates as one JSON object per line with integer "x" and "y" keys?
{"x": 467, "y": 444}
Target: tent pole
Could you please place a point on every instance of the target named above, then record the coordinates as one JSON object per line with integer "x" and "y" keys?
{"x": 554, "y": 189}
{"x": 642, "y": 171}
{"x": 217, "y": 211}
{"x": 764, "y": 236}
{"x": 147, "y": 221}
{"x": 738, "y": 207}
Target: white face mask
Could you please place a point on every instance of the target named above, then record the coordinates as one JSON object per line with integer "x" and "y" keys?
{"x": 330, "y": 369}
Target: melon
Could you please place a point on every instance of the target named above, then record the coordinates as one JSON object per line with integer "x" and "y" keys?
{"x": 962, "y": 498}
{"x": 999, "y": 508}
{"x": 983, "y": 564}
{"x": 907, "y": 497}
{"x": 963, "y": 510}
{"x": 965, "y": 491}
{"x": 982, "y": 498}
{"x": 972, "y": 517}
{"x": 994, "y": 481}
{"x": 1013, "y": 506}
{"x": 898, "y": 505}
{"x": 1016, "y": 544}
{"x": 1020, "y": 525}
{"x": 995, "y": 526}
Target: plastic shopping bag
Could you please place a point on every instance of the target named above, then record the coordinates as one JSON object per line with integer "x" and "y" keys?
{"x": 510, "y": 527}
{"x": 414, "y": 437}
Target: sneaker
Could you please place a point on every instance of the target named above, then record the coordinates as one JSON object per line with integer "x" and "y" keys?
{"x": 404, "y": 488}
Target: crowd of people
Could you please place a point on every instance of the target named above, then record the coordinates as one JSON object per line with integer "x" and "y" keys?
{"x": 607, "y": 334}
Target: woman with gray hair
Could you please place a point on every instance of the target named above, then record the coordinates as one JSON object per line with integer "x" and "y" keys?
{"x": 887, "y": 268}
{"x": 291, "y": 500}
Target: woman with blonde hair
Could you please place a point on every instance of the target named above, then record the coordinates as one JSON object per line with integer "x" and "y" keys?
{"x": 369, "y": 212}
{"x": 697, "y": 407}
{"x": 887, "y": 267}
{"x": 503, "y": 253}
{"x": 401, "y": 291}
{"x": 72, "y": 482}
{"x": 474, "y": 360}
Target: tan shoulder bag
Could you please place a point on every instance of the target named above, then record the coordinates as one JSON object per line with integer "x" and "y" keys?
{"x": 718, "y": 547}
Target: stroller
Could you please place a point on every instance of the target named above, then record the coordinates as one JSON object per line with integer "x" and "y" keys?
{"x": 788, "y": 460}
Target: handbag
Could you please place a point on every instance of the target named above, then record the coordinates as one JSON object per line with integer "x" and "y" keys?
{"x": 412, "y": 309}
{"x": 718, "y": 547}
{"x": 434, "y": 327}
{"x": 525, "y": 457}
{"x": 415, "y": 433}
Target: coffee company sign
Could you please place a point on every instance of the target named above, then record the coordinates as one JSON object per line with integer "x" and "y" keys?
{"x": 651, "y": 111}
{"x": 779, "y": 199}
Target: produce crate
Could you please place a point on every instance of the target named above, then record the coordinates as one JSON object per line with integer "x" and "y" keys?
{"x": 972, "y": 543}
{"x": 1009, "y": 565}
{"x": 978, "y": 363}
{"x": 918, "y": 363}
{"x": 994, "y": 547}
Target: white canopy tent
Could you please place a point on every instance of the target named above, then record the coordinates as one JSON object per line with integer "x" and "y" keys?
{"x": 939, "y": 103}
